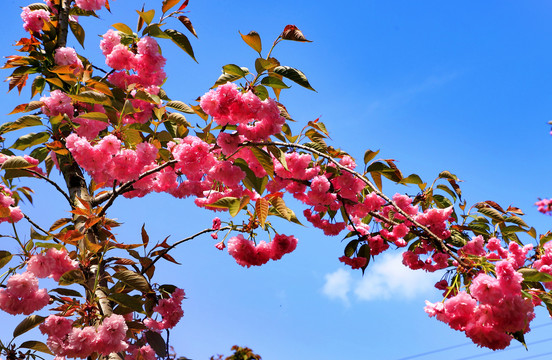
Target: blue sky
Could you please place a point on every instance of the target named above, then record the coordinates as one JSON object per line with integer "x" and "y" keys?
{"x": 459, "y": 85}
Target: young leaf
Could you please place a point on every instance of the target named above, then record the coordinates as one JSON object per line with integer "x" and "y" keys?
{"x": 123, "y": 28}
{"x": 186, "y": 21}
{"x": 30, "y": 139}
{"x": 254, "y": 40}
{"x": 180, "y": 106}
{"x": 261, "y": 209}
{"x": 168, "y": 4}
{"x": 291, "y": 32}
{"x": 147, "y": 16}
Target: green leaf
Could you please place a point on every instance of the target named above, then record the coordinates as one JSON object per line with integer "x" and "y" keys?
{"x": 230, "y": 203}
{"x": 133, "y": 280}
{"x": 261, "y": 92}
{"x": 31, "y": 139}
{"x": 22, "y": 122}
{"x": 180, "y": 106}
{"x": 281, "y": 207}
{"x": 369, "y": 155}
{"x": 264, "y": 159}
{"x": 131, "y": 302}
{"x": 278, "y": 154}
{"x": 157, "y": 343}
{"x": 98, "y": 116}
{"x": 253, "y": 39}
{"x": 351, "y": 248}
{"x": 412, "y": 179}
{"x": 67, "y": 292}
{"x": 78, "y": 31}
{"x": 38, "y": 6}
{"x": 92, "y": 97}
{"x": 5, "y": 258}
{"x": 533, "y": 275}
{"x": 182, "y": 41}
{"x": 294, "y": 75}
{"x": 492, "y": 213}
{"x": 27, "y": 324}
{"x": 16, "y": 162}
{"x": 264, "y": 64}
{"x": 224, "y": 78}
{"x": 72, "y": 277}
{"x": 179, "y": 119}
{"x": 441, "y": 201}
{"x": 274, "y": 83}
{"x": 516, "y": 220}
{"x": 123, "y": 28}
{"x": 36, "y": 346}
{"x": 447, "y": 175}
{"x": 233, "y": 69}
{"x": 155, "y": 30}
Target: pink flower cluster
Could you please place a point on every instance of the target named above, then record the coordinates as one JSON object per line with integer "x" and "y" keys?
{"x": 492, "y": 310}
{"x": 90, "y": 5}
{"x": 544, "y": 264}
{"x": 66, "y": 340}
{"x": 247, "y": 254}
{"x": 8, "y": 212}
{"x": 53, "y": 263}
{"x": 22, "y": 296}
{"x": 140, "y": 353}
{"x": 171, "y": 311}
{"x": 58, "y": 103}
{"x": 108, "y": 161}
{"x": 33, "y": 20}
{"x": 354, "y": 263}
{"x": 256, "y": 120}
{"x": 545, "y": 206}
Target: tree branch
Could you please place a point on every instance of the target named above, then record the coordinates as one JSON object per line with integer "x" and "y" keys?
{"x": 372, "y": 187}
{"x": 58, "y": 188}
{"x": 163, "y": 252}
{"x": 126, "y": 187}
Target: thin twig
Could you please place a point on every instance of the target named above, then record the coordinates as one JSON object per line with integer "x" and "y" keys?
{"x": 163, "y": 252}
{"x": 370, "y": 185}
{"x": 38, "y": 227}
{"x": 51, "y": 183}
{"x": 126, "y": 187}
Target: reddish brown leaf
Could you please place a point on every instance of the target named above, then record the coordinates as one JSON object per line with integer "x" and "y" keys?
{"x": 291, "y": 32}
{"x": 183, "y": 6}
{"x": 186, "y": 21}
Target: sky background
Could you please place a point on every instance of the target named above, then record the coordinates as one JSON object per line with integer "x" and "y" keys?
{"x": 463, "y": 86}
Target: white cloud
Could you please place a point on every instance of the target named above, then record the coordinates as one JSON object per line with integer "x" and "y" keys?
{"x": 386, "y": 278}
{"x": 338, "y": 285}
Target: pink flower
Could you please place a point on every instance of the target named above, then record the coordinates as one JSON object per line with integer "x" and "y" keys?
{"x": 67, "y": 56}
{"x": 354, "y": 263}
{"x": 90, "y": 5}
{"x": 22, "y": 296}
{"x": 34, "y": 20}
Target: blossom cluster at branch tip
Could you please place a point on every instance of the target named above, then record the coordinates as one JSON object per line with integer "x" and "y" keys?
{"x": 247, "y": 254}
{"x": 22, "y": 296}
{"x": 33, "y": 20}
{"x": 53, "y": 263}
{"x": 545, "y": 206}
{"x": 8, "y": 212}
{"x": 170, "y": 310}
